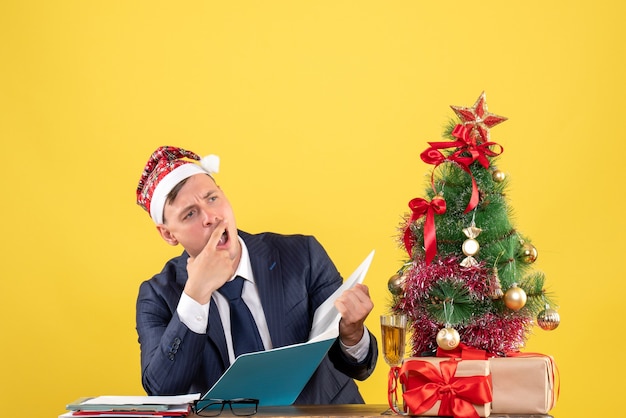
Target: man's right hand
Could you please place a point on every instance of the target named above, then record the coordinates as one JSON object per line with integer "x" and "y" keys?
{"x": 210, "y": 269}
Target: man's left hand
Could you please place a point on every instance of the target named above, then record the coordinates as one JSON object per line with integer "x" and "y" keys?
{"x": 354, "y": 305}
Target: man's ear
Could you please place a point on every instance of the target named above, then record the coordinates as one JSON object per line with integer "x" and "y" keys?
{"x": 166, "y": 234}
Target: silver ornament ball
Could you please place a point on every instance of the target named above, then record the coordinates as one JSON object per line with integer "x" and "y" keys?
{"x": 548, "y": 319}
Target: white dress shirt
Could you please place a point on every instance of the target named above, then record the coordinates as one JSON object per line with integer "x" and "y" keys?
{"x": 196, "y": 316}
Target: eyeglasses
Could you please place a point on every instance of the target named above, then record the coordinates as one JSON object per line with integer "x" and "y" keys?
{"x": 240, "y": 407}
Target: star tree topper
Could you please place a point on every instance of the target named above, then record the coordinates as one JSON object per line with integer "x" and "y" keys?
{"x": 478, "y": 119}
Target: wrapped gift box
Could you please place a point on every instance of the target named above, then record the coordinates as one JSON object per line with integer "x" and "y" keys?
{"x": 435, "y": 386}
{"x": 524, "y": 384}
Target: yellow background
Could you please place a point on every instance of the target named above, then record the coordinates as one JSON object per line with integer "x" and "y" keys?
{"x": 319, "y": 111}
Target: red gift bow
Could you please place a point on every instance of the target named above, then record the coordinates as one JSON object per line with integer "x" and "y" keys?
{"x": 420, "y": 207}
{"x": 466, "y": 143}
{"x": 429, "y": 385}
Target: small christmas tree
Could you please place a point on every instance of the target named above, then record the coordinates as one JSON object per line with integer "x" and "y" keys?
{"x": 468, "y": 277}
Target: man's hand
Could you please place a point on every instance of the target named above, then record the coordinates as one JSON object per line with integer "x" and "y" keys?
{"x": 210, "y": 269}
{"x": 354, "y": 305}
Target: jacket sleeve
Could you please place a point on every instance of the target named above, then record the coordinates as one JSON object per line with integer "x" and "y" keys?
{"x": 329, "y": 279}
{"x": 356, "y": 370}
{"x": 170, "y": 352}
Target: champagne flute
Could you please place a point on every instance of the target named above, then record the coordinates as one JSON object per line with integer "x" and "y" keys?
{"x": 393, "y": 329}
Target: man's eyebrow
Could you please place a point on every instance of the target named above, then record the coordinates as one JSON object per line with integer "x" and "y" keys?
{"x": 192, "y": 205}
{"x": 185, "y": 210}
{"x": 209, "y": 193}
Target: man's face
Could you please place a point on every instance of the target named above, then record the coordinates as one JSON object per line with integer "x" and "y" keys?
{"x": 199, "y": 208}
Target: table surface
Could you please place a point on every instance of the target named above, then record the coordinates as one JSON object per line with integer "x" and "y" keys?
{"x": 343, "y": 411}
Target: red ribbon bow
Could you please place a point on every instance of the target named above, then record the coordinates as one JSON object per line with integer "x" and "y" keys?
{"x": 466, "y": 144}
{"x": 426, "y": 385}
{"x": 420, "y": 207}
{"x": 479, "y": 151}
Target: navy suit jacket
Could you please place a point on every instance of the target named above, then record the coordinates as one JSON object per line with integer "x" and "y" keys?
{"x": 294, "y": 275}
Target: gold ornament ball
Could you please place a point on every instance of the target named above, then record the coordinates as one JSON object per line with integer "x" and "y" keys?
{"x": 498, "y": 176}
{"x": 448, "y": 338}
{"x": 396, "y": 284}
{"x": 528, "y": 253}
{"x": 515, "y": 298}
{"x": 548, "y": 319}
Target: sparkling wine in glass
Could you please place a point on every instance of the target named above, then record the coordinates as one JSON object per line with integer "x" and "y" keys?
{"x": 393, "y": 329}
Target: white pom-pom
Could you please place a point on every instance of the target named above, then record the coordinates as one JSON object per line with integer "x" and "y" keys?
{"x": 211, "y": 163}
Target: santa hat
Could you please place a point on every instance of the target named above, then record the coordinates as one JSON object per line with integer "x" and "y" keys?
{"x": 164, "y": 170}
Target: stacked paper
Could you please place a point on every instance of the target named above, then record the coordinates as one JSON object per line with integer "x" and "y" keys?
{"x": 131, "y": 406}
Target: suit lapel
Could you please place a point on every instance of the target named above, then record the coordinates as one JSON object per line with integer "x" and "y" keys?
{"x": 265, "y": 263}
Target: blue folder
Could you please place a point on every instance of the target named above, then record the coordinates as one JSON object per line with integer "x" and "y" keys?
{"x": 274, "y": 377}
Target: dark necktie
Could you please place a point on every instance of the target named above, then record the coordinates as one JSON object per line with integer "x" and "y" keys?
{"x": 243, "y": 329}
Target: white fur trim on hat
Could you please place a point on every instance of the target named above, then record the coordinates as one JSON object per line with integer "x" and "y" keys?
{"x": 166, "y": 185}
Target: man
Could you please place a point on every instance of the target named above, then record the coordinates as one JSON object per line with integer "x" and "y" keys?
{"x": 187, "y": 335}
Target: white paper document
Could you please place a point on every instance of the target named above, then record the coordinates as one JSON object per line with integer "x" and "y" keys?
{"x": 99, "y": 402}
{"x": 327, "y": 317}
{"x": 131, "y": 406}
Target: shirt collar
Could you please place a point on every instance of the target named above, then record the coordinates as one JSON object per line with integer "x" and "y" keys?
{"x": 244, "y": 269}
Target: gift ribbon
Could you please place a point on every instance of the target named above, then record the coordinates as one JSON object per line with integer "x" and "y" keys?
{"x": 456, "y": 394}
{"x": 464, "y": 352}
{"x": 420, "y": 207}
{"x": 392, "y": 389}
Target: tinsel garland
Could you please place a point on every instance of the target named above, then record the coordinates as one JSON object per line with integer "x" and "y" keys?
{"x": 496, "y": 331}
